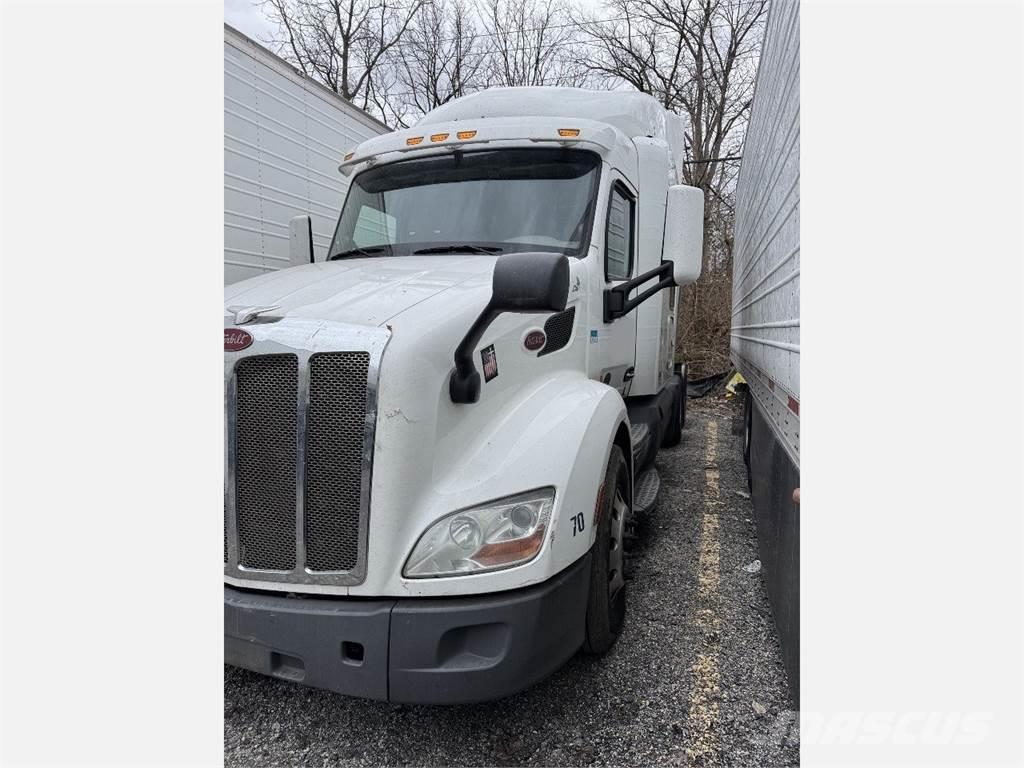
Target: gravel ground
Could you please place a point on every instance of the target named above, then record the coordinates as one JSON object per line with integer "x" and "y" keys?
{"x": 695, "y": 679}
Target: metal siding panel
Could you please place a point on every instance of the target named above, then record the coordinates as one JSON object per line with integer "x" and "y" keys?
{"x": 283, "y": 138}
{"x": 766, "y": 277}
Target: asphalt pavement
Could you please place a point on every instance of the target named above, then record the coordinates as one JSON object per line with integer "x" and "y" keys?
{"x": 696, "y": 677}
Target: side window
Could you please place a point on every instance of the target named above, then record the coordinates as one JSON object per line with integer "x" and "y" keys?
{"x": 618, "y": 238}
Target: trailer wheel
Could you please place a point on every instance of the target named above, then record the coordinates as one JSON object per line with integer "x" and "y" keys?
{"x": 606, "y": 602}
{"x": 748, "y": 420}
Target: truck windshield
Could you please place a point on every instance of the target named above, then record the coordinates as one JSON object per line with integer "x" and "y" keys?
{"x": 492, "y": 201}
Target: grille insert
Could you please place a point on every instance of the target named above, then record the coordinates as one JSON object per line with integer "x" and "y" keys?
{"x": 336, "y": 420}
{"x": 300, "y": 426}
{"x": 266, "y": 449}
{"x": 558, "y": 329}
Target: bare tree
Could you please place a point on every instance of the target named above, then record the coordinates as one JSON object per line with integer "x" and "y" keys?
{"x": 341, "y": 43}
{"x": 698, "y": 58}
{"x": 531, "y": 43}
{"x": 695, "y": 56}
{"x": 451, "y": 49}
{"x": 441, "y": 57}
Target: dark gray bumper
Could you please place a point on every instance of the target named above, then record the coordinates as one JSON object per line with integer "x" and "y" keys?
{"x": 426, "y": 650}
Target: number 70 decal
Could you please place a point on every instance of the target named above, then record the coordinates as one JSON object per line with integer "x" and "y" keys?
{"x": 578, "y": 523}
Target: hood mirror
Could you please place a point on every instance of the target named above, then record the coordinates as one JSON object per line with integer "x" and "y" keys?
{"x": 522, "y": 282}
{"x": 300, "y": 240}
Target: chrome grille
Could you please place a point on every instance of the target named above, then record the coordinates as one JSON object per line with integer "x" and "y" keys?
{"x": 299, "y": 432}
{"x": 266, "y": 436}
{"x": 334, "y": 458}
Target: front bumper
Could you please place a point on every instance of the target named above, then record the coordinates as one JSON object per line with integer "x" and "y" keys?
{"x": 449, "y": 650}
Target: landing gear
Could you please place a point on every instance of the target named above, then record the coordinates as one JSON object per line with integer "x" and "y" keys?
{"x": 606, "y": 605}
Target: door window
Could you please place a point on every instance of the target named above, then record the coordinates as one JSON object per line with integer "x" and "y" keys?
{"x": 618, "y": 239}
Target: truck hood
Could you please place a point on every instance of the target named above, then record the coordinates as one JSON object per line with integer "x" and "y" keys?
{"x": 368, "y": 291}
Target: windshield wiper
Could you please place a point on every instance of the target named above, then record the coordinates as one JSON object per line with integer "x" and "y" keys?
{"x": 371, "y": 251}
{"x": 460, "y": 248}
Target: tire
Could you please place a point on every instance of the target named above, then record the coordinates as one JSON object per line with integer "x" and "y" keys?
{"x": 682, "y": 404}
{"x": 681, "y": 372}
{"x": 748, "y": 423}
{"x": 674, "y": 428}
{"x": 606, "y": 601}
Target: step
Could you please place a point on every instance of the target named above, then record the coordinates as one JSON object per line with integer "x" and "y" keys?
{"x": 645, "y": 495}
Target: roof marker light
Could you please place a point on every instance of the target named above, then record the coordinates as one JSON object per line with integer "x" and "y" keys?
{"x": 568, "y": 133}
{"x": 466, "y": 134}
{"x": 439, "y": 136}
{"x": 412, "y": 141}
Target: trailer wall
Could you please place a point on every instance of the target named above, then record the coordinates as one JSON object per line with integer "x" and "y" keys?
{"x": 284, "y": 136}
{"x": 765, "y": 343}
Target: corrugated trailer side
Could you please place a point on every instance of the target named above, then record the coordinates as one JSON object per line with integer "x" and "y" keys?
{"x": 765, "y": 344}
{"x": 284, "y": 136}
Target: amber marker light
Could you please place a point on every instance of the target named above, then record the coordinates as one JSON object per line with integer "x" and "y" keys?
{"x": 463, "y": 135}
{"x": 439, "y": 136}
{"x": 509, "y": 551}
{"x": 412, "y": 141}
{"x": 568, "y": 133}
{"x": 349, "y": 156}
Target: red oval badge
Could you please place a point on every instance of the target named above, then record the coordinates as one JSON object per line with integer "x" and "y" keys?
{"x": 534, "y": 340}
{"x": 235, "y": 339}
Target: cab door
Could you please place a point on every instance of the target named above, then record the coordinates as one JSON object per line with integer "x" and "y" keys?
{"x": 613, "y": 345}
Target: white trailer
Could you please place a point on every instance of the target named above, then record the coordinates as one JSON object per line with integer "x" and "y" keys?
{"x": 282, "y": 134}
{"x": 765, "y": 344}
{"x": 443, "y": 429}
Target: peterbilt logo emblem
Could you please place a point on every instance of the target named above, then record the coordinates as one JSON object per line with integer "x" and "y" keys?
{"x": 534, "y": 340}
{"x": 235, "y": 339}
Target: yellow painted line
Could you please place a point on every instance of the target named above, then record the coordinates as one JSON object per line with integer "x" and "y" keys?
{"x": 705, "y": 692}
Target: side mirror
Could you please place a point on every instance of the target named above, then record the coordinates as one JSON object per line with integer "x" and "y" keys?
{"x": 530, "y": 282}
{"x": 684, "y": 233}
{"x": 300, "y": 240}
{"x": 522, "y": 282}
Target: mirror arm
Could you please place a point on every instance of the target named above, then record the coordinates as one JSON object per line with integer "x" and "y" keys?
{"x": 526, "y": 283}
{"x": 464, "y": 382}
{"x": 616, "y": 299}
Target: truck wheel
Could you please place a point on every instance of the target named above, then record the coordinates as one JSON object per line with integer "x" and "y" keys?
{"x": 676, "y": 419}
{"x": 682, "y": 404}
{"x": 606, "y": 603}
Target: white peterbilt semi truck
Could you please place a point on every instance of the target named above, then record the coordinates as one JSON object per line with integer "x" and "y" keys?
{"x": 437, "y": 436}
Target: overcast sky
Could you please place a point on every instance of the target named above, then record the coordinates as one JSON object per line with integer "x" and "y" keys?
{"x": 248, "y": 17}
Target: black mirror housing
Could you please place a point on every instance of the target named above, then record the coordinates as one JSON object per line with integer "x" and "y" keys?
{"x": 530, "y": 282}
{"x": 522, "y": 282}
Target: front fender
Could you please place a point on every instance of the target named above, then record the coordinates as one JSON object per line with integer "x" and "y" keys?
{"x": 558, "y": 432}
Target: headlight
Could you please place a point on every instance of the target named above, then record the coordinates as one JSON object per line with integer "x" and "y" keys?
{"x": 490, "y": 537}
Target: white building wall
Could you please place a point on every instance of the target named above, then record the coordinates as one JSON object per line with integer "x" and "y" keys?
{"x": 765, "y": 343}
{"x": 284, "y": 136}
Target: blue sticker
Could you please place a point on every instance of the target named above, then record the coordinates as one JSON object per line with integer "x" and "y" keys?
{"x": 593, "y": 337}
